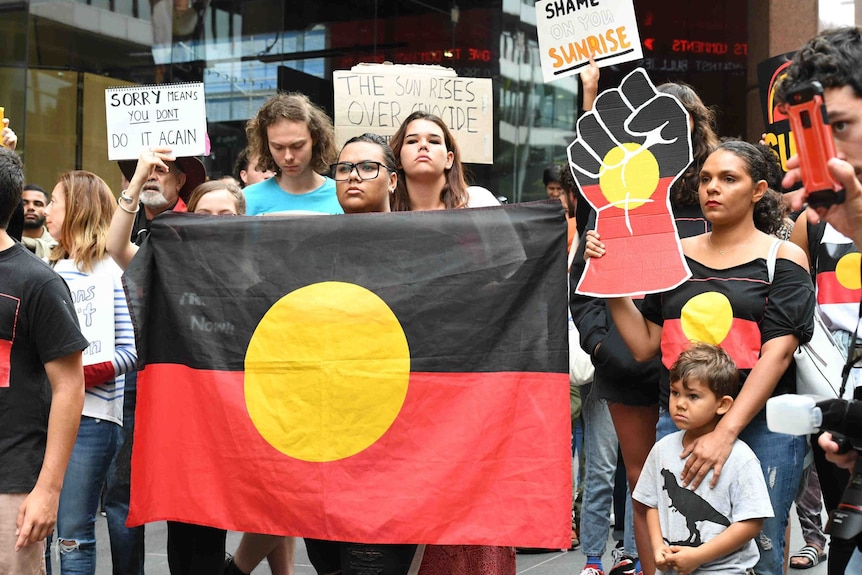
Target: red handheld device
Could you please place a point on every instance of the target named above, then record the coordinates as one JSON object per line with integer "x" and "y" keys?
{"x": 809, "y": 123}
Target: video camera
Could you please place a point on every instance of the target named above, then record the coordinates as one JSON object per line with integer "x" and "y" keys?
{"x": 802, "y": 415}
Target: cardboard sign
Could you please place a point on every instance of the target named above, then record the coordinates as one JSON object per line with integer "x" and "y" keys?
{"x": 377, "y": 98}
{"x": 631, "y": 148}
{"x": 93, "y": 297}
{"x": 777, "y": 133}
{"x": 163, "y": 115}
{"x": 570, "y": 31}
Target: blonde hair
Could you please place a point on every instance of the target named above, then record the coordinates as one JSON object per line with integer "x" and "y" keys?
{"x": 89, "y": 209}
{"x": 213, "y": 186}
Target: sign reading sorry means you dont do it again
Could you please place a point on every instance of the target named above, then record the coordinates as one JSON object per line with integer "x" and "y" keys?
{"x": 163, "y": 115}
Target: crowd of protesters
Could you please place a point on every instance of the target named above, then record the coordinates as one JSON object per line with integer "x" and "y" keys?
{"x": 67, "y": 430}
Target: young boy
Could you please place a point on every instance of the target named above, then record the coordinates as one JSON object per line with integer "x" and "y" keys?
{"x": 706, "y": 529}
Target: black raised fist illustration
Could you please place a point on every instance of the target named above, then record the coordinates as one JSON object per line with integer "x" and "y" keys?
{"x": 629, "y": 150}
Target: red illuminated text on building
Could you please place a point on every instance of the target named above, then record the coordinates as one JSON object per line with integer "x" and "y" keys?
{"x": 699, "y": 47}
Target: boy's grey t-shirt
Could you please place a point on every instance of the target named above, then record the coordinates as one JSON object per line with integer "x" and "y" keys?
{"x": 693, "y": 517}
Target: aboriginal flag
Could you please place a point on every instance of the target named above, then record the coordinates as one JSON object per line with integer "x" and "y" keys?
{"x": 382, "y": 378}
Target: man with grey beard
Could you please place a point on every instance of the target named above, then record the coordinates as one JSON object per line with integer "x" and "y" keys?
{"x": 164, "y": 190}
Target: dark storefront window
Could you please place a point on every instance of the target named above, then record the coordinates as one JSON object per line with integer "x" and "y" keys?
{"x": 245, "y": 50}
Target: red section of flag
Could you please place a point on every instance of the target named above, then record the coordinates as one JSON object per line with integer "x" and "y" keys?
{"x": 830, "y": 290}
{"x": 473, "y": 458}
{"x": 742, "y": 342}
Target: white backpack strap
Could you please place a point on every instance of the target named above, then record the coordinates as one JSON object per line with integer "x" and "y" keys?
{"x": 770, "y": 259}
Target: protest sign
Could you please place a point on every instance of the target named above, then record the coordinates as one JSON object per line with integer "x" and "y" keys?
{"x": 164, "y": 115}
{"x": 777, "y": 133}
{"x": 631, "y": 147}
{"x": 377, "y": 98}
{"x": 570, "y": 31}
{"x": 93, "y": 296}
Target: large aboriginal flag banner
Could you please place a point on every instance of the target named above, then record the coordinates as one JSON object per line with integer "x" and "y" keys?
{"x": 377, "y": 378}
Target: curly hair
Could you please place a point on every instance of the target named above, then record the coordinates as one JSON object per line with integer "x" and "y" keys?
{"x": 832, "y": 58}
{"x": 454, "y": 192}
{"x": 294, "y": 107}
{"x": 704, "y": 139}
{"x": 570, "y": 187}
{"x": 760, "y": 164}
{"x": 89, "y": 209}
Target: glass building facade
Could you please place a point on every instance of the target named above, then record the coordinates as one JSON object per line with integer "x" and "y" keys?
{"x": 58, "y": 56}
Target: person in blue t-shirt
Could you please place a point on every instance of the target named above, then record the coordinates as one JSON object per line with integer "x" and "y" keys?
{"x": 295, "y": 139}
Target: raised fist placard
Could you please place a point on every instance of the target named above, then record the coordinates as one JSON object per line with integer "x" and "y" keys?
{"x": 629, "y": 150}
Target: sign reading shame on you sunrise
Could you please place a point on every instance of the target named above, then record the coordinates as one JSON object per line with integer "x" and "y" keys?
{"x": 570, "y": 31}
{"x": 164, "y": 115}
{"x": 378, "y": 97}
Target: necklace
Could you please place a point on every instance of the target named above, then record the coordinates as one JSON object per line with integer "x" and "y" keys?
{"x": 728, "y": 250}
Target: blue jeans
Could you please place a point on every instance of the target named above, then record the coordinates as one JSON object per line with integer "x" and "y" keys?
{"x": 79, "y": 498}
{"x": 600, "y": 448}
{"x": 781, "y": 459}
{"x": 854, "y": 567}
{"x": 127, "y": 543}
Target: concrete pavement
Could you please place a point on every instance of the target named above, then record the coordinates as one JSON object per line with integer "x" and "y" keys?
{"x": 557, "y": 563}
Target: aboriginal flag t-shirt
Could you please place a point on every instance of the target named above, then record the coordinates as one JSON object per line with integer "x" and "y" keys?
{"x": 736, "y": 308}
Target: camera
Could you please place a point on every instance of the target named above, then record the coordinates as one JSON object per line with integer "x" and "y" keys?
{"x": 803, "y": 415}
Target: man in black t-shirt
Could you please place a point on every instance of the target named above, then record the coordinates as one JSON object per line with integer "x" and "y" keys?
{"x": 41, "y": 388}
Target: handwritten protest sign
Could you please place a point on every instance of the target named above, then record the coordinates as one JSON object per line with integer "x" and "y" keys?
{"x": 93, "y": 297}
{"x": 377, "y": 98}
{"x": 168, "y": 115}
{"x": 570, "y": 31}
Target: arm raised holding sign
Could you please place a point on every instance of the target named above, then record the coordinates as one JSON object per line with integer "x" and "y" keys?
{"x": 119, "y": 246}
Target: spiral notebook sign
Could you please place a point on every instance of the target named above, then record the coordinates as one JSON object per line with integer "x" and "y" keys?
{"x": 163, "y": 115}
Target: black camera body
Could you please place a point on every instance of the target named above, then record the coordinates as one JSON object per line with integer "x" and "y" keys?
{"x": 843, "y": 419}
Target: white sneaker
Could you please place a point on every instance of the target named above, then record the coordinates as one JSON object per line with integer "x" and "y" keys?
{"x": 592, "y": 571}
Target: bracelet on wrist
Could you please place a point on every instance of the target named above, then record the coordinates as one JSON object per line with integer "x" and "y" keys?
{"x": 126, "y": 198}
{"x": 125, "y": 209}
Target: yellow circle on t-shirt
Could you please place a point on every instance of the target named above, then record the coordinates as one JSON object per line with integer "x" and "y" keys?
{"x": 629, "y": 176}
{"x": 326, "y": 371}
{"x": 847, "y": 271}
{"x": 707, "y": 318}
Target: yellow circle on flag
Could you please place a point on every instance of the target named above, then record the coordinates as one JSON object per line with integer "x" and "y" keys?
{"x": 326, "y": 371}
{"x": 847, "y": 271}
{"x": 707, "y": 318}
{"x": 629, "y": 176}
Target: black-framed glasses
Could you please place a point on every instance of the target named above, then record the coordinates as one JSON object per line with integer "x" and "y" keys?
{"x": 367, "y": 170}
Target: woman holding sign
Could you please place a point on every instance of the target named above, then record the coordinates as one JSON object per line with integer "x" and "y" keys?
{"x": 757, "y": 314}
{"x": 78, "y": 217}
{"x": 431, "y": 177}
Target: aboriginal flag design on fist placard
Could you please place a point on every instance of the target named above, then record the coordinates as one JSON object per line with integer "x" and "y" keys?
{"x": 380, "y": 378}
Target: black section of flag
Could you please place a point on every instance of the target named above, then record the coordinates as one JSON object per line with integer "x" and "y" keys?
{"x": 475, "y": 289}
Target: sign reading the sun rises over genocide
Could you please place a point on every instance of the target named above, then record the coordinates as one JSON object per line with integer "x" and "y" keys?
{"x": 378, "y": 97}
{"x": 359, "y": 378}
{"x": 165, "y": 115}
{"x": 570, "y": 31}
{"x": 630, "y": 148}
